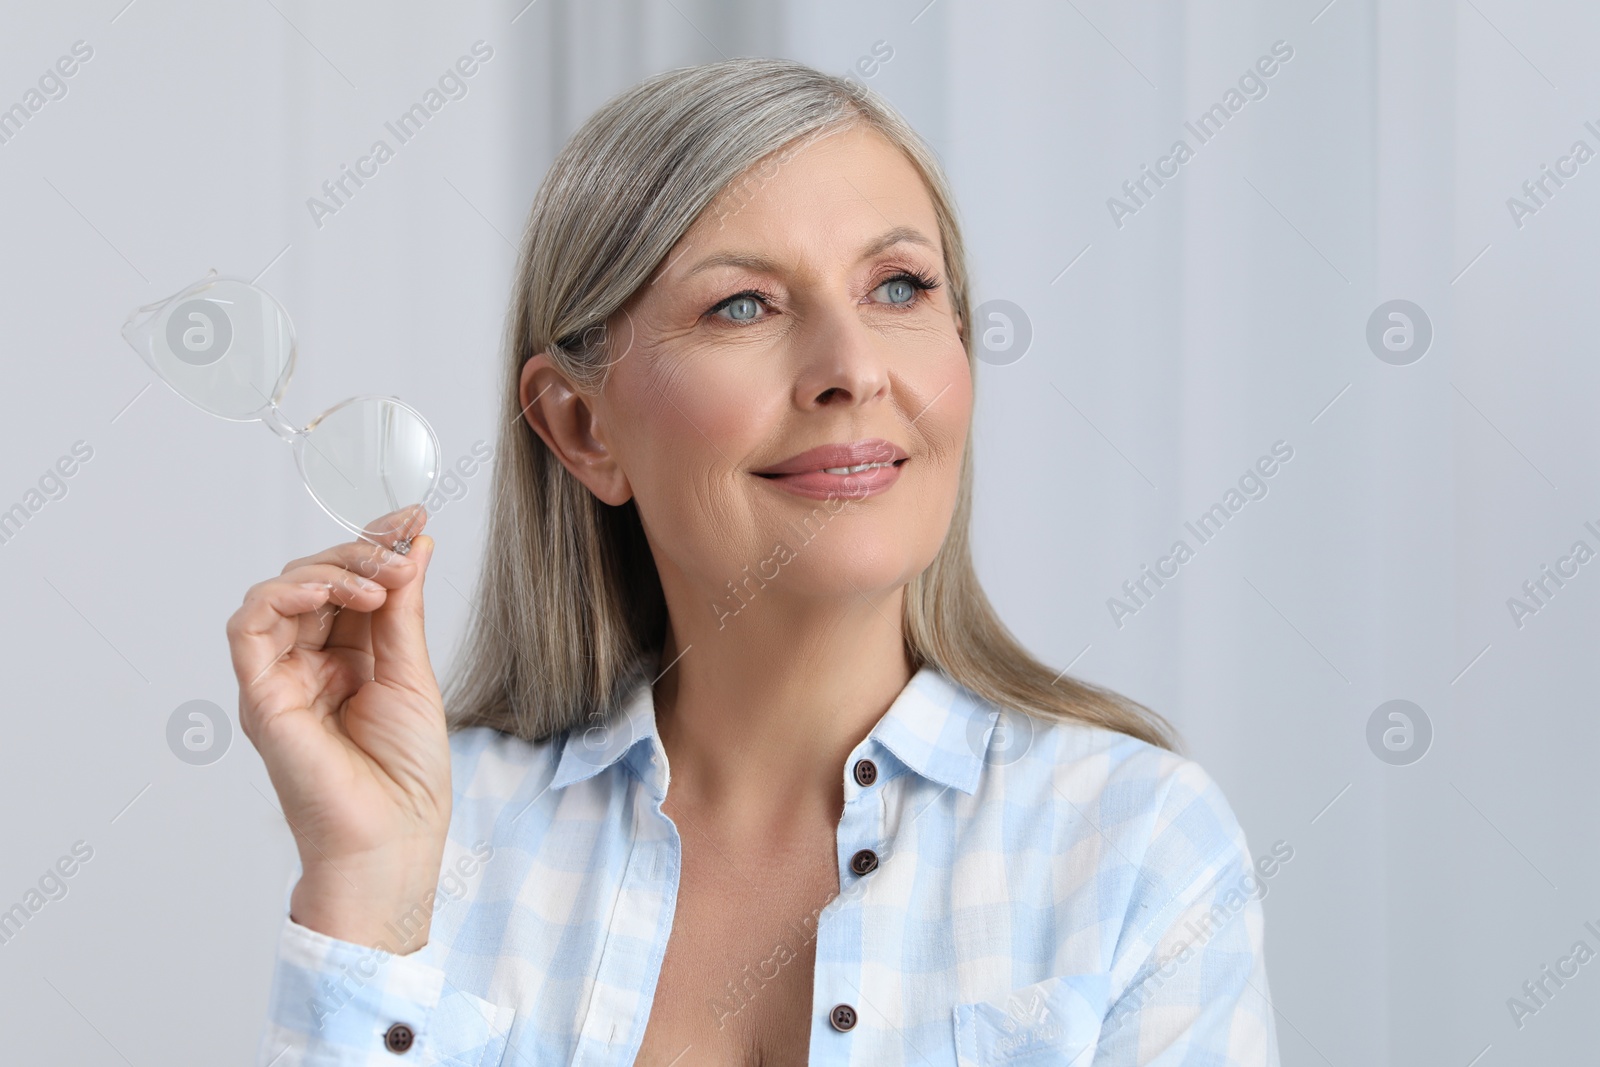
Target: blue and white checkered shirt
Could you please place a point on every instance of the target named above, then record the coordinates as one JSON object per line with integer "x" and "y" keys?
{"x": 1045, "y": 893}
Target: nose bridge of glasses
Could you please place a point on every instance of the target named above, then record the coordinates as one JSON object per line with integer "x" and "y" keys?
{"x": 273, "y": 418}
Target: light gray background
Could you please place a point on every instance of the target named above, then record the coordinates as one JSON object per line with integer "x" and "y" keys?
{"x": 1168, "y": 354}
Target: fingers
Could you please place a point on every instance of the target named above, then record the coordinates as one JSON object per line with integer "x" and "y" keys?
{"x": 303, "y": 606}
{"x": 330, "y": 627}
{"x": 266, "y": 625}
{"x": 398, "y": 528}
{"x": 364, "y": 559}
{"x": 346, "y": 588}
{"x": 399, "y": 643}
{"x": 295, "y": 608}
{"x": 345, "y": 629}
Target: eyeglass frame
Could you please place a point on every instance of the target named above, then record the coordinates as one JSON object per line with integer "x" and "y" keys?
{"x": 270, "y": 414}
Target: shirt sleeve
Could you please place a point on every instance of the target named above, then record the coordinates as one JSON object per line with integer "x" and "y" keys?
{"x": 338, "y": 1004}
{"x": 1191, "y": 989}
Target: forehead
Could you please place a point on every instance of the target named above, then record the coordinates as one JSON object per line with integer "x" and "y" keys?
{"x": 816, "y": 196}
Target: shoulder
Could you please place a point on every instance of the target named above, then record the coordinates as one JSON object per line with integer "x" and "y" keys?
{"x": 1160, "y": 795}
{"x": 1135, "y": 834}
{"x": 1114, "y": 801}
{"x": 490, "y": 769}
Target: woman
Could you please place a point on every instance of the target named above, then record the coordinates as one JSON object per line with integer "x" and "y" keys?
{"x": 740, "y": 767}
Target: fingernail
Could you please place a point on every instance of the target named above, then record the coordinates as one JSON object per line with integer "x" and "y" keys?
{"x": 369, "y": 586}
{"x": 321, "y": 587}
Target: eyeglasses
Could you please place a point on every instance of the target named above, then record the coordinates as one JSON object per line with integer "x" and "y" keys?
{"x": 228, "y": 347}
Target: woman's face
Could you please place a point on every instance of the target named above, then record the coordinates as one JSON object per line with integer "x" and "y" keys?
{"x": 802, "y": 325}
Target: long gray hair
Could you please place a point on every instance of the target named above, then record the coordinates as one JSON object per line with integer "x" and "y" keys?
{"x": 570, "y": 615}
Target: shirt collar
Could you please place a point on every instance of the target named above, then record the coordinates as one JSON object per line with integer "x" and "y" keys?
{"x": 937, "y": 728}
{"x": 934, "y": 727}
{"x": 590, "y": 748}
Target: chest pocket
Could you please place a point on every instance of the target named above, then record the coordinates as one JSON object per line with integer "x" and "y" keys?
{"x": 1055, "y": 1022}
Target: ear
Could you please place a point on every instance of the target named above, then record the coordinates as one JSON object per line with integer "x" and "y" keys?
{"x": 571, "y": 427}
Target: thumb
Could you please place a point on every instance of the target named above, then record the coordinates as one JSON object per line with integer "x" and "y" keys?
{"x": 399, "y": 641}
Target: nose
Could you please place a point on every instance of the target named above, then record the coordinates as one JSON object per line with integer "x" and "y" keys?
{"x": 842, "y": 364}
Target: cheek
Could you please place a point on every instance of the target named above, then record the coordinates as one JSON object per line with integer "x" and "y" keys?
{"x": 723, "y": 404}
{"x": 698, "y": 412}
{"x": 945, "y": 387}
{"x": 941, "y": 430}
{"x": 684, "y": 422}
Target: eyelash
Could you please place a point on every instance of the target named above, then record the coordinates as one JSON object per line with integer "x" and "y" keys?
{"x": 919, "y": 281}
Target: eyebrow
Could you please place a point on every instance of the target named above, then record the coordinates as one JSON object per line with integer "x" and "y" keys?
{"x": 763, "y": 265}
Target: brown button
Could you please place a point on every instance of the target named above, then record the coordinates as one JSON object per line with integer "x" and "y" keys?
{"x": 864, "y": 861}
{"x": 398, "y": 1038}
{"x": 866, "y": 772}
{"x": 843, "y": 1017}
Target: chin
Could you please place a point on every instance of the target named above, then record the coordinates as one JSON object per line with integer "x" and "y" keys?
{"x": 841, "y": 546}
{"x": 854, "y": 554}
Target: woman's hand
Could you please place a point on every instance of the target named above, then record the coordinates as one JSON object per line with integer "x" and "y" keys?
{"x": 337, "y": 694}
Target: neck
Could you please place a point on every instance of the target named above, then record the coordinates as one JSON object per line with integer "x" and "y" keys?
{"x": 758, "y": 714}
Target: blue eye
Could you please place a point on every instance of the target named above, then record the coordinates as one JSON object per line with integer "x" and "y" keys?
{"x": 742, "y": 308}
{"x": 903, "y": 289}
{"x": 899, "y": 290}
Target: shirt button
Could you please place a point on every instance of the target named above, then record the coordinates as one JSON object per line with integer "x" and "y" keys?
{"x": 864, "y": 861}
{"x": 398, "y": 1038}
{"x": 842, "y": 1017}
{"x": 866, "y": 772}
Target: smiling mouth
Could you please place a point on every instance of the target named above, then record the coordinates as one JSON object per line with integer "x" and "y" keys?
{"x": 857, "y": 469}
{"x": 852, "y": 471}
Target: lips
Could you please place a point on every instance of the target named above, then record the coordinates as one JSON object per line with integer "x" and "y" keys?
{"x": 857, "y": 469}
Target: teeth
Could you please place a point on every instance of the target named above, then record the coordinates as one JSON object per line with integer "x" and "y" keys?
{"x": 853, "y": 470}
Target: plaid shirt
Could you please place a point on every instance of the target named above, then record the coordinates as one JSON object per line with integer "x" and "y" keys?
{"x": 1045, "y": 893}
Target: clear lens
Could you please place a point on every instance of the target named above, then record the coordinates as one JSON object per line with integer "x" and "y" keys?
{"x": 224, "y": 345}
{"x": 367, "y": 459}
